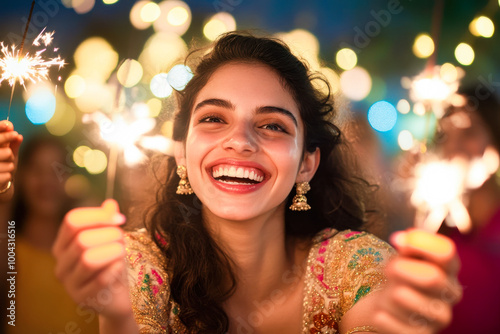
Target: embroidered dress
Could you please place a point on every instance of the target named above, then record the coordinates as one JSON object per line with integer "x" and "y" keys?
{"x": 342, "y": 268}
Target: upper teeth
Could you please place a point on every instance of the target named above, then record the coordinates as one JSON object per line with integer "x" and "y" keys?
{"x": 239, "y": 172}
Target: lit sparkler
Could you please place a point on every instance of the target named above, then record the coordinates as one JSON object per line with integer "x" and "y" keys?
{"x": 441, "y": 188}
{"x": 15, "y": 66}
{"x": 127, "y": 136}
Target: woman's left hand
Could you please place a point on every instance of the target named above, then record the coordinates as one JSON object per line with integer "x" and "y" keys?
{"x": 422, "y": 285}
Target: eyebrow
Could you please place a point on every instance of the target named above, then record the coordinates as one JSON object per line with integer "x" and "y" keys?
{"x": 260, "y": 110}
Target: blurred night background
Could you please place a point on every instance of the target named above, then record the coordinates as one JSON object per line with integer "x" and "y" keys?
{"x": 385, "y": 45}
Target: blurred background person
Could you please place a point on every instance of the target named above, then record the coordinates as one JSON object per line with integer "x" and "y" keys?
{"x": 39, "y": 204}
{"x": 466, "y": 132}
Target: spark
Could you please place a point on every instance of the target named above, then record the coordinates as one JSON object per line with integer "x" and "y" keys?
{"x": 27, "y": 68}
{"x": 442, "y": 186}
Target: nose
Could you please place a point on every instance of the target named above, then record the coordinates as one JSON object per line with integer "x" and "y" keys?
{"x": 241, "y": 140}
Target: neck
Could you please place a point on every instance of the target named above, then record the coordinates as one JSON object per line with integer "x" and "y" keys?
{"x": 41, "y": 231}
{"x": 258, "y": 248}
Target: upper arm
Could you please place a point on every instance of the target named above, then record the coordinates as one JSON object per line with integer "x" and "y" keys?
{"x": 148, "y": 283}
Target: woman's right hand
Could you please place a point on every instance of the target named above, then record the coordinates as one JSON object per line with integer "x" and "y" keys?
{"x": 90, "y": 255}
{"x": 10, "y": 141}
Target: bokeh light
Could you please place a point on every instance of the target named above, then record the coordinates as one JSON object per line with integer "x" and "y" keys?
{"x": 304, "y": 45}
{"x": 78, "y": 155}
{"x": 109, "y": 2}
{"x": 161, "y": 51}
{"x": 419, "y": 109}
{"x": 175, "y": 17}
{"x": 77, "y": 186}
{"x": 218, "y": 24}
{"x": 82, "y": 6}
{"x": 448, "y": 72}
{"x": 130, "y": 73}
{"x": 95, "y": 161}
{"x": 346, "y": 59}
{"x": 331, "y": 77}
{"x": 382, "y": 116}
{"x": 423, "y": 46}
{"x": 40, "y": 107}
{"x": 179, "y": 76}
{"x": 150, "y": 12}
{"x": 405, "y": 140}
{"x": 95, "y": 59}
{"x": 403, "y": 106}
{"x": 154, "y": 106}
{"x": 74, "y": 86}
{"x": 464, "y": 54}
{"x": 482, "y": 26}
{"x": 159, "y": 86}
{"x": 356, "y": 84}
{"x": 63, "y": 120}
{"x": 167, "y": 129}
{"x": 136, "y": 15}
{"x": 97, "y": 96}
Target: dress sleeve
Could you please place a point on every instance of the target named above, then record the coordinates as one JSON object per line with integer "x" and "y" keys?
{"x": 365, "y": 258}
{"x": 148, "y": 282}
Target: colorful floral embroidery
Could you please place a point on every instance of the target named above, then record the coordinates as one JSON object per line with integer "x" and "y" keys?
{"x": 365, "y": 256}
{"x": 342, "y": 269}
{"x": 362, "y": 291}
{"x": 322, "y": 320}
{"x": 338, "y": 274}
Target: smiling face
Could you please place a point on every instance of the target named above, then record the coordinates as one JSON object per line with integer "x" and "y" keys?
{"x": 244, "y": 147}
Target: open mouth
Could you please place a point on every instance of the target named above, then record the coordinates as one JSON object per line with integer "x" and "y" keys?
{"x": 237, "y": 175}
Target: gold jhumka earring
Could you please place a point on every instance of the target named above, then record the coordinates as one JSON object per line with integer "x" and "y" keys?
{"x": 184, "y": 188}
{"x": 300, "y": 200}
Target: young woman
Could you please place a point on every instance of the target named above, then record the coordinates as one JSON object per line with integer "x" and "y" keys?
{"x": 231, "y": 245}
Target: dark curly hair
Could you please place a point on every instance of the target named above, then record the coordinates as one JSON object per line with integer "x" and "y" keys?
{"x": 201, "y": 273}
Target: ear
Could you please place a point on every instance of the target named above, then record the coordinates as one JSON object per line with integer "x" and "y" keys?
{"x": 180, "y": 153}
{"x": 309, "y": 166}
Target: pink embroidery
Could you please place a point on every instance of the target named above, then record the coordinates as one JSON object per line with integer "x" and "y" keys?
{"x": 326, "y": 242}
{"x": 350, "y": 234}
{"x": 155, "y": 289}
{"x": 321, "y": 259}
{"x": 322, "y": 250}
{"x": 157, "y": 276}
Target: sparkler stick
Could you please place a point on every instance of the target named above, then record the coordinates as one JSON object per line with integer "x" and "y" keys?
{"x": 20, "y": 54}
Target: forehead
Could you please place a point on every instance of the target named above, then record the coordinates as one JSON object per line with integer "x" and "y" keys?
{"x": 251, "y": 83}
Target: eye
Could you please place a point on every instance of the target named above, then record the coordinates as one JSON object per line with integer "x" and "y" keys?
{"x": 274, "y": 127}
{"x": 211, "y": 119}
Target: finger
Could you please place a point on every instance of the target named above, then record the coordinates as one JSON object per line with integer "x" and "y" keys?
{"x": 6, "y": 167}
{"x": 7, "y": 137}
{"x": 16, "y": 144}
{"x": 93, "y": 260}
{"x": 4, "y": 179}
{"x": 84, "y": 218}
{"x": 404, "y": 302}
{"x": 435, "y": 248}
{"x": 6, "y": 154}
{"x": 109, "y": 288}
{"x": 388, "y": 324}
{"x": 427, "y": 277}
{"x": 67, "y": 260}
{"x": 6, "y": 126}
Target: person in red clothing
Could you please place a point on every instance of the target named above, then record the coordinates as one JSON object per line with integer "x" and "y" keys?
{"x": 467, "y": 131}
